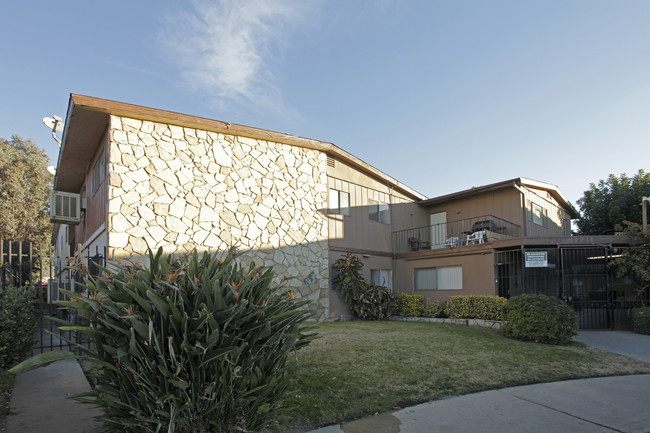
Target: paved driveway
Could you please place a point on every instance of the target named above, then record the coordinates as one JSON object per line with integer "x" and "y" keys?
{"x": 624, "y": 342}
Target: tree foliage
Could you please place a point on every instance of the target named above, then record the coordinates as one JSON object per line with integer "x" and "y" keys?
{"x": 25, "y": 186}
{"x": 612, "y": 201}
{"x": 366, "y": 300}
{"x": 635, "y": 260}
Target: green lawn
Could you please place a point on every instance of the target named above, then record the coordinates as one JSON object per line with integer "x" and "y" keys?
{"x": 360, "y": 368}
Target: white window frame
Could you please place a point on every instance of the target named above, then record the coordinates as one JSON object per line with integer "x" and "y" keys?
{"x": 339, "y": 202}
{"x": 382, "y": 277}
{"x": 440, "y": 278}
{"x": 378, "y": 211}
{"x": 538, "y": 214}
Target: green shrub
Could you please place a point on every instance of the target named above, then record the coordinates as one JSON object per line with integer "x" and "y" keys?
{"x": 409, "y": 305}
{"x": 366, "y": 301}
{"x": 190, "y": 344}
{"x": 641, "y": 320}
{"x": 540, "y": 318}
{"x": 476, "y": 307}
{"x": 16, "y": 325}
{"x": 434, "y": 309}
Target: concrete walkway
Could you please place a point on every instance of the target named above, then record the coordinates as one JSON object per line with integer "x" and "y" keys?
{"x": 608, "y": 404}
{"x": 624, "y": 342}
{"x": 40, "y": 403}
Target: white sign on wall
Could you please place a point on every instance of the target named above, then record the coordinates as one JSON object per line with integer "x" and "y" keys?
{"x": 536, "y": 259}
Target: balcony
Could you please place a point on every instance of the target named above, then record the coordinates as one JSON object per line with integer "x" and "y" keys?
{"x": 469, "y": 231}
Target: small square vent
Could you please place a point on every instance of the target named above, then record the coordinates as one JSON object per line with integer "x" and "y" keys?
{"x": 331, "y": 162}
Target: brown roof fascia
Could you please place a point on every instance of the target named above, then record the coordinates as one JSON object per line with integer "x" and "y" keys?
{"x": 469, "y": 192}
{"x": 503, "y": 185}
{"x": 555, "y": 191}
{"x": 156, "y": 115}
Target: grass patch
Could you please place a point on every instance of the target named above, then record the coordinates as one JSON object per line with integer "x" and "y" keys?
{"x": 6, "y": 385}
{"x": 360, "y": 368}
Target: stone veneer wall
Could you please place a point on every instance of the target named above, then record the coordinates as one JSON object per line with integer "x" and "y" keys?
{"x": 183, "y": 188}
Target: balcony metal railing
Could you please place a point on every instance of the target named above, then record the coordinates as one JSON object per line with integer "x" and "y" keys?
{"x": 468, "y": 231}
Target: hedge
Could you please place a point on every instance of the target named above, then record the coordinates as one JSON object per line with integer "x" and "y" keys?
{"x": 16, "y": 325}
{"x": 540, "y": 318}
{"x": 641, "y": 320}
{"x": 486, "y": 307}
{"x": 409, "y": 305}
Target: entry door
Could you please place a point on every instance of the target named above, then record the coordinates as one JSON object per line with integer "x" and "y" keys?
{"x": 438, "y": 222}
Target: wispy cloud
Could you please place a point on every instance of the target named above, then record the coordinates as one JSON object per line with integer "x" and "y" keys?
{"x": 224, "y": 48}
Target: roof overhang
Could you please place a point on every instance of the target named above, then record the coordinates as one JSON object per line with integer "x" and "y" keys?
{"x": 511, "y": 183}
{"x": 88, "y": 118}
{"x": 81, "y": 135}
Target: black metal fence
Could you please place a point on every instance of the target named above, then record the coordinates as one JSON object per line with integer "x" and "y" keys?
{"x": 581, "y": 276}
{"x": 607, "y": 314}
{"x": 22, "y": 264}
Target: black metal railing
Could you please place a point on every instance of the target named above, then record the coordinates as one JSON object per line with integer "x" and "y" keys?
{"x": 468, "y": 231}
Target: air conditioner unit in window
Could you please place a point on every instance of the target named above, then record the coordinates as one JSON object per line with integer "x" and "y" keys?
{"x": 65, "y": 207}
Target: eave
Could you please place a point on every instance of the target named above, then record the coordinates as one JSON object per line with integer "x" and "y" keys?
{"x": 88, "y": 118}
{"x": 511, "y": 183}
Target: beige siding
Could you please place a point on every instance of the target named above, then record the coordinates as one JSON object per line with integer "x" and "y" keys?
{"x": 505, "y": 204}
{"x": 356, "y": 231}
{"x": 552, "y": 214}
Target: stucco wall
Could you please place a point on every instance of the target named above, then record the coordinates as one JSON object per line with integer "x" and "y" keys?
{"x": 182, "y": 188}
{"x": 478, "y": 275}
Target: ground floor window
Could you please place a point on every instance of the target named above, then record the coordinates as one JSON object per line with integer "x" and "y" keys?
{"x": 438, "y": 278}
{"x": 381, "y": 277}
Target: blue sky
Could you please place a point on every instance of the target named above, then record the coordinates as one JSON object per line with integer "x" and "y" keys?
{"x": 442, "y": 95}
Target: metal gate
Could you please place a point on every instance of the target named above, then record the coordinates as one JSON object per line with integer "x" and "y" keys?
{"x": 21, "y": 264}
{"x": 602, "y": 300}
{"x": 581, "y": 276}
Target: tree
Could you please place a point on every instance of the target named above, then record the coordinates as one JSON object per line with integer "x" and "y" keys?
{"x": 635, "y": 260}
{"x": 611, "y": 202}
{"x": 25, "y": 185}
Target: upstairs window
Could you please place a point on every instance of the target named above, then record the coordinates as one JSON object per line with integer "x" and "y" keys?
{"x": 99, "y": 171}
{"x": 378, "y": 211}
{"x": 339, "y": 202}
{"x": 538, "y": 214}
